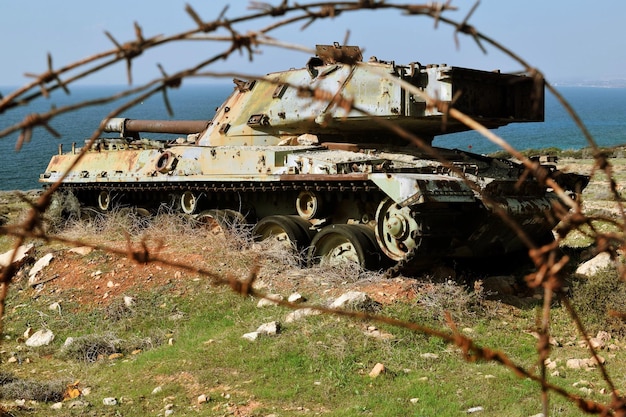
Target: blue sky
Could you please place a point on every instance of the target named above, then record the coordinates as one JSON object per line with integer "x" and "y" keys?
{"x": 568, "y": 40}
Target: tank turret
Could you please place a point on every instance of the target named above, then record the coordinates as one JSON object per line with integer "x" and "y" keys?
{"x": 306, "y": 156}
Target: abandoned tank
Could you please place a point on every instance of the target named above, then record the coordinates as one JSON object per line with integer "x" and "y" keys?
{"x": 334, "y": 180}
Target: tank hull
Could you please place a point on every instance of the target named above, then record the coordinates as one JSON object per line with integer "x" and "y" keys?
{"x": 307, "y": 156}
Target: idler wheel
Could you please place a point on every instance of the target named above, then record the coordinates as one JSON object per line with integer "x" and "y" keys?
{"x": 341, "y": 244}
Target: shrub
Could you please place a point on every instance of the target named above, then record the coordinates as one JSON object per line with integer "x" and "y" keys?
{"x": 595, "y": 297}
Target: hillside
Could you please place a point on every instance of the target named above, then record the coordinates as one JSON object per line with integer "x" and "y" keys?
{"x": 165, "y": 336}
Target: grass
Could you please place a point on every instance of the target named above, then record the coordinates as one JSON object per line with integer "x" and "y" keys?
{"x": 184, "y": 336}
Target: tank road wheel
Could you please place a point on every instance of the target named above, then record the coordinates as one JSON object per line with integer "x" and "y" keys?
{"x": 345, "y": 243}
{"x": 217, "y": 221}
{"x": 308, "y": 205}
{"x": 285, "y": 229}
{"x": 188, "y": 202}
{"x": 396, "y": 229}
{"x": 104, "y": 200}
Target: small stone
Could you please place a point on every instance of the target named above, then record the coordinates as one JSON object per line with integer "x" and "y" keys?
{"x": 272, "y": 328}
{"x": 414, "y": 400}
{"x": 429, "y": 356}
{"x": 114, "y": 356}
{"x": 252, "y": 336}
{"x": 378, "y": 369}
{"x": 296, "y": 298}
{"x": 475, "y": 410}
{"x": 78, "y": 404}
{"x": 550, "y": 364}
{"x": 43, "y": 262}
{"x": 109, "y": 401}
{"x": 202, "y": 399}
{"x": 82, "y": 250}
{"x": 56, "y": 406}
{"x": 110, "y": 284}
{"x": 573, "y": 364}
{"x": 178, "y": 275}
{"x": 129, "y": 301}
{"x": 12, "y": 359}
{"x": 598, "y": 263}
{"x": 168, "y": 412}
{"x": 68, "y": 341}
{"x": 40, "y": 338}
{"x": 28, "y": 332}
{"x": 55, "y": 307}
{"x": 299, "y": 314}
{"x": 355, "y": 300}
{"x": 157, "y": 390}
{"x": 19, "y": 256}
{"x": 270, "y": 300}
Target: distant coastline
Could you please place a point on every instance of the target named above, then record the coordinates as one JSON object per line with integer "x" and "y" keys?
{"x": 613, "y": 83}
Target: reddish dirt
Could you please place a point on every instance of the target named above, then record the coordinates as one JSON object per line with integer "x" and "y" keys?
{"x": 97, "y": 279}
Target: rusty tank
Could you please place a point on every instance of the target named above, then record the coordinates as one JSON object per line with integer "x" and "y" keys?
{"x": 334, "y": 180}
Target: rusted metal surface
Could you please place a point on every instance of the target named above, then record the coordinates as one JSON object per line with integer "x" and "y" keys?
{"x": 263, "y": 154}
{"x": 129, "y": 127}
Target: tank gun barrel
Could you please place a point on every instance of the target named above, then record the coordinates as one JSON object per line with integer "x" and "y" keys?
{"x": 131, "y": 127}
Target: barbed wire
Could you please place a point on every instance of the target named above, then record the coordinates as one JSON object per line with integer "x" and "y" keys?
{"x": 548, "y": 260}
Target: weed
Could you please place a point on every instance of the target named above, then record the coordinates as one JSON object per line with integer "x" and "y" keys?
{"x": 595, "y": 297}
{"x": 24, "y": 389}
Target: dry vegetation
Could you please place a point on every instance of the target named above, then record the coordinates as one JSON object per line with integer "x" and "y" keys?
{"x": 138, "y": 252}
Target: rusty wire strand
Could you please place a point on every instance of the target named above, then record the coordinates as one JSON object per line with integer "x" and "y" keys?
{"x": 549, "y": 266}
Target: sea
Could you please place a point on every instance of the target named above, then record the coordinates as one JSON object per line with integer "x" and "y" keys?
{"x": 603, "y": 110}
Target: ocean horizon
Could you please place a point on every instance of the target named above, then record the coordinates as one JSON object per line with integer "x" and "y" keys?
{"x": 602, "y": 109}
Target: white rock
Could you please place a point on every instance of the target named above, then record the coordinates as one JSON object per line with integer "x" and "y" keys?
{"x": 429, "y": 356}
{"x": 68, "y": 341}
{"x": 414, "y": 400}
{"x": 475, "y": 410}
{"x": 272, "y": 328}
{"x": 270, "y": 300}
{"x": 82, "y": 250}
{"x": 55, "y": 307}
{"x": 28, "y": 332}
{"x": 299, "y": 314}
{"x": 352, "y": 299}
{"x": 20, "y": 255}
{"x": 592, "y": 266}
{"x": 109, "y": 401}
{"x": 252, "y": 336}
{"x": 574, "y": 363}
{"x": 43, "y": 262}
{"x": 296, "y": 298}
{"x": 202, "y": 399}
{"x": 129, "y": 301}
{"x": 56, "y": 406}
{"x": 40, "y": 338}
{"x": 157, "y": 390}
{"x": 169, "y": 412}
